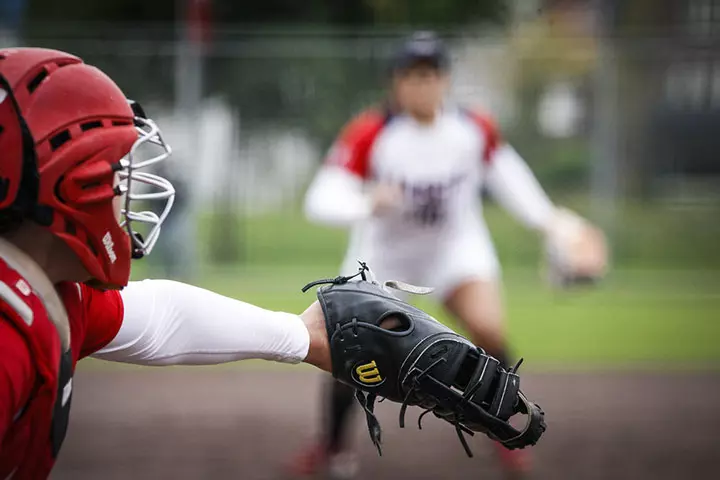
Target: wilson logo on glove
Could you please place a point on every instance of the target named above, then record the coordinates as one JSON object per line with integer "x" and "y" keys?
{"x": 368, "y": 374}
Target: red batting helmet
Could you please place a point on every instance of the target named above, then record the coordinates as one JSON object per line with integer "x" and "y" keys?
{"x": 69, "y": 144}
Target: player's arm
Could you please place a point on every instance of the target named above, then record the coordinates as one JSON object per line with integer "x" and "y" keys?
{"x": 17, "y": 375}
{"x": 171, "y": 323}
{"x": 509, "y": 179}
{"x": 575, "y": 249}
{"x": 513, "y": 185}
{"x": 338, "y": 195}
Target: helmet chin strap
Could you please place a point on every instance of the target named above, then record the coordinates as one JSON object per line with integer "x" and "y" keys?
{"x": 137, "y": 251}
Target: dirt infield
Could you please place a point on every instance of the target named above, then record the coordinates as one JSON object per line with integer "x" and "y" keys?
{"x": 218, "y": 424}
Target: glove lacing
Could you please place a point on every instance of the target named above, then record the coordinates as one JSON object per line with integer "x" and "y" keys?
{"x": 339, "y": 280}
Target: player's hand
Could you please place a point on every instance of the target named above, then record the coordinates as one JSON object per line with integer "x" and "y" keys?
{"x": 576, "y": 250}
{"x": 319, "y": 351}
{"x": 386, "y": 199}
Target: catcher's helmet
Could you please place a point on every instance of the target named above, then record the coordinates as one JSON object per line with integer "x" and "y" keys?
{"x": 69, "y": 144}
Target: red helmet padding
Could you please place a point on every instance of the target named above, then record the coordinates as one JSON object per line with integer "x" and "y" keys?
{"x": 82, "y": 124}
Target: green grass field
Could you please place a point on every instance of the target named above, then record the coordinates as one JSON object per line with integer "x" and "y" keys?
{"x": 659, "y": 305}
{"x": 636, "y": 318}
{"x": 641, "y": 236}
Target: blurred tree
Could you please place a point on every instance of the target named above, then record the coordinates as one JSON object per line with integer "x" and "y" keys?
{"x": 11, "y": 12}
{"x": 666, "y": 58}
{"x": 345, "y": 12}
{"x": 556, "y": 48}
{"x": 435, "y": 13}
{"x": 262, "y": 85}
{"x": 106, "y": 10}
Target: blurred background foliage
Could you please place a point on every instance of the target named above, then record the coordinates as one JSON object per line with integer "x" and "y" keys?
{"x": 345, "y": 12}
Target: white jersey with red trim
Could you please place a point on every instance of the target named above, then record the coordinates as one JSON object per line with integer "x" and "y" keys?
{"x": 439, "y": 167}
{"x": 438, "y": 237}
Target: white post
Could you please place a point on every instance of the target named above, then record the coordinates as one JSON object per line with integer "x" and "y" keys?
{"x": 605, "y": 152}
{"x": 188, "y": 101}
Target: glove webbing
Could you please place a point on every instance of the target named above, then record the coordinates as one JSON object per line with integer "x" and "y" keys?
{"x": 367, "y": 401}
{"x": 368, "y": 404}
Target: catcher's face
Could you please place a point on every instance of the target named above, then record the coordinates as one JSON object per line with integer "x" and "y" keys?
{"x": 420, "y": 89}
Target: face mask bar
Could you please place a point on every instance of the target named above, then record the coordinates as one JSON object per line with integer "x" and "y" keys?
{"x": 143, "y": 187}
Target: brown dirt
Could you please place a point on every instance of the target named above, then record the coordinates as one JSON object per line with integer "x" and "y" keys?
{"x": 244, "y": 424}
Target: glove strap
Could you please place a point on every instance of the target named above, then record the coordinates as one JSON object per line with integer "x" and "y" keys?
{"x": 368, "y": 404}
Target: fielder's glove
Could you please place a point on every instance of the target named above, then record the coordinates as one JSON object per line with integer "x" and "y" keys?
{"x": 420, "y": 362}
{"x": 575, "y": 250}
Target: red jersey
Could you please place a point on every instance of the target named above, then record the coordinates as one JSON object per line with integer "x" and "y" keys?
{"x": 35, "y": 374}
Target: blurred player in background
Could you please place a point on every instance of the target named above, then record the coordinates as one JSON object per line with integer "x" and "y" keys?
{"x": 406, "y": 176}
{"x": 73, "y": 151}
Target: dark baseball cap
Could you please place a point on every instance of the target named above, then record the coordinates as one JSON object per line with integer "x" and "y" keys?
{"x": 421, "y": 47}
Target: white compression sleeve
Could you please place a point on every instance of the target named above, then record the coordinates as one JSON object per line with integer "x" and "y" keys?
{"x": 513, "y": 185}
{"x": 336, "y": 198}
{"x": 171, "y": 323}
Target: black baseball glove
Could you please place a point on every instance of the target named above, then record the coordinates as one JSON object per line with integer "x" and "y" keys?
{"x": 385, "y": 348}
